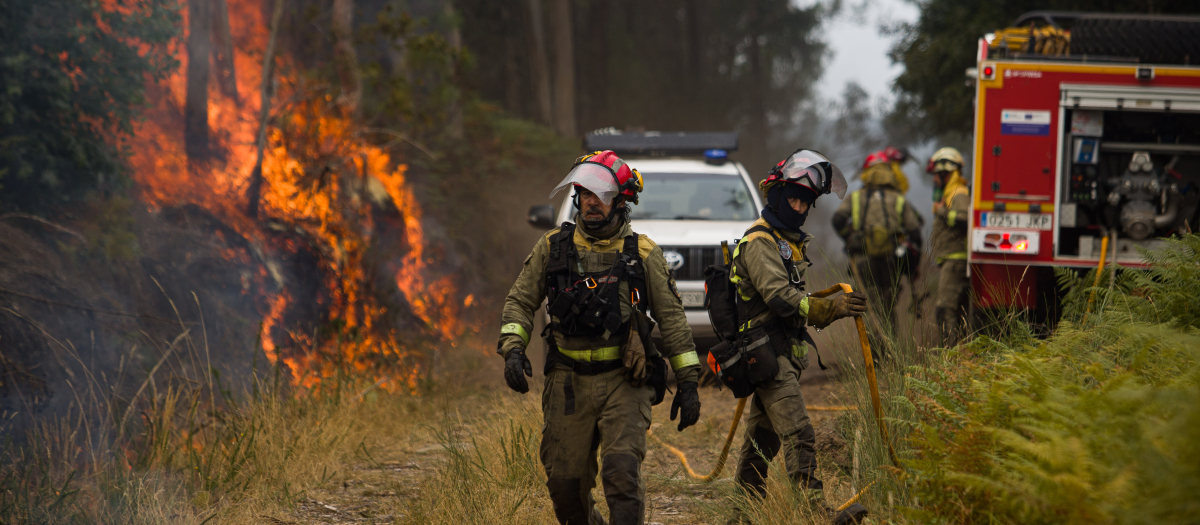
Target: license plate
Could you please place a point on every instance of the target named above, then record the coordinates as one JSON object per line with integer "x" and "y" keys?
{"x": 1032, "y": 221}
{"x": 692, "y": 299}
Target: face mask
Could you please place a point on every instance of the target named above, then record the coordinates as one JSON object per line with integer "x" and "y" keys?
{"x": 789, "y": 218}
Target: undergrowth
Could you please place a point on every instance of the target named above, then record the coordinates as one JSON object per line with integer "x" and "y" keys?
{"x": 1099, "y": 423}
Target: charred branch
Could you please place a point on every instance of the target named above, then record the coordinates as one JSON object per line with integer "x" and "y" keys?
{"x": 254, "y": 192}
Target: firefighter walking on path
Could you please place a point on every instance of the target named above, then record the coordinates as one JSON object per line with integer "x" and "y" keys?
{"x": 883, "y": 236}
{"x": 768, "y": 270}
{"x": 951, "y": 211}
{"x": 602, "y": 371}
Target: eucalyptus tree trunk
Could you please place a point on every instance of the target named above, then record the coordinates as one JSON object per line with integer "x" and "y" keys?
{"x": 195, "y": 112}
{"x": 539, "y": 66}
{"x": 345, "y": 57}
{"x": 223, "y": 52}
{"x": 564, "y": 67}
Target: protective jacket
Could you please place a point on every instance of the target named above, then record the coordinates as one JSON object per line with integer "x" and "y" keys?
{"x": 950, "y": 226}
{"x": 768, "y": 270}
{"x": 594, "y": 258}
{"x": 771, "y": 293}
{"x": 873, "y": 218}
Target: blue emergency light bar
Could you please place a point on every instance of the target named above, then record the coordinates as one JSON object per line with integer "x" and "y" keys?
{"x": 661, "y": 144}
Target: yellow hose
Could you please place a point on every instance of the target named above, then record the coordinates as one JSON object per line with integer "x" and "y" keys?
{"x": 1099, "y": 270}
{"x": 870, "y": 366}
{"x": 741, "y": 406}
{"x": 737, "y": 416}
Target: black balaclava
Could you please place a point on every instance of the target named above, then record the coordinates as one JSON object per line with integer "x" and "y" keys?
{"x": 781, "y": 215}
{"x": 607, "y": 226}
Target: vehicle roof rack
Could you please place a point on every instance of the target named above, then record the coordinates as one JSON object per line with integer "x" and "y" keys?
{"x": 658, "y": 143}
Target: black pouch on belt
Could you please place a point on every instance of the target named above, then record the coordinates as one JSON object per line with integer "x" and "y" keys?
{"x": 759, "y": 354}
{"x": 727, "y": 363}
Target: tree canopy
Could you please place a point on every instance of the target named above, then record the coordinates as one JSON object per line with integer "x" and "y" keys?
{"x": 74, "y": 74}
{"x": 937, "y": 49}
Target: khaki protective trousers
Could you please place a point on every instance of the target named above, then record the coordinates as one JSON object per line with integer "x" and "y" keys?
{"x": 582, "y": 414}
{"x": 779, "y": 419}
{"x": 952, "y": 294}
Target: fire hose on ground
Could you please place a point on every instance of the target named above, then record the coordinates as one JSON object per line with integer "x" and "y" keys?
{"x": 737, "y": 414}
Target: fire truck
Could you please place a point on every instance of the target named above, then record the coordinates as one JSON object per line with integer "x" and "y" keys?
{"x": 1087, "y": 126}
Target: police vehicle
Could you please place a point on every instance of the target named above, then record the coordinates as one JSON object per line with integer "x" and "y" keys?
{"x": 694, "y": 198}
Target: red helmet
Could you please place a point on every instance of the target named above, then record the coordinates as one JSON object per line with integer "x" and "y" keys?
{"x": 809, "y": 169}
{"x": 888, "y": 154}
{"x": 606, "y": 175}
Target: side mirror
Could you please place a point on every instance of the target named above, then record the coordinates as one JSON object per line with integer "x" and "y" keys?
{"x": 541, "y": 216}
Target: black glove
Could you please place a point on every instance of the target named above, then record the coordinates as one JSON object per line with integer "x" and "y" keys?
{"x": 852, "y": 304}
{"x": 688, "y": 399}
{"x": 514, "y": 364}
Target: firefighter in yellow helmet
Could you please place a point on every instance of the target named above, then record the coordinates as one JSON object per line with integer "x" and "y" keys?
{"x": 882, "y": 233}
{"x": 951, "y": 211}
{"x": 602, "y": 371}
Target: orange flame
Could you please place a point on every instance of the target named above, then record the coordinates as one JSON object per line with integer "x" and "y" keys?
{"x": 327, "y": 205}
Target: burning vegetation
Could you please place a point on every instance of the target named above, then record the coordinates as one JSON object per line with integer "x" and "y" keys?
{"x": 326, "y": 195}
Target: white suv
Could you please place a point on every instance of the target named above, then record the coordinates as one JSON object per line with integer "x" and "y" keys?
{"x": 688, "y": 206}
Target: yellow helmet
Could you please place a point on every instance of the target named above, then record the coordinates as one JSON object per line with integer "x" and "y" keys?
{"x": 945, "y": 159}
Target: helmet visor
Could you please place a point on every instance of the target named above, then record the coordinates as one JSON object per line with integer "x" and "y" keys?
{"x": 593, "y": 177}
{"x": 812, "y": 169}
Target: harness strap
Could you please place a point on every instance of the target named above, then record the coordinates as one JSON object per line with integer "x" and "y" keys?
{"x": 855, "y": 212}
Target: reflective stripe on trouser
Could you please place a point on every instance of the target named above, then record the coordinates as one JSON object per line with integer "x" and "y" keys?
{"x": 610, "y": 415}
{"x": 778, "y": 419}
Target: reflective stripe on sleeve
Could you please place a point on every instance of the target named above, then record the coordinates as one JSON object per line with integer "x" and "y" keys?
{"x": 855, "y": 213}
{"x": 683, "y": 360}
{"x": 804, "y": 306}
{"x": 610, "y": 353}
{"x": 950, "y": 217}
{"x": 956, "y": 256}
{"x": 517, "y": 329}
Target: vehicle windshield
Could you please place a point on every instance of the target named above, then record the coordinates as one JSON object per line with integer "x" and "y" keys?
{"x": 694, "y": 196}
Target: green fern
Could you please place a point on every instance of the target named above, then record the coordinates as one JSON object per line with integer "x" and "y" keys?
{"x": 1100, "y": 423}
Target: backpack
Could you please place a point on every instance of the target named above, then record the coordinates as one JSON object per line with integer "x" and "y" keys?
{"x": 878, "y": 240}
{"x": 742, "y": 360}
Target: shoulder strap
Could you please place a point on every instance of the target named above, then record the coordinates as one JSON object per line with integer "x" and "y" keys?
{"x": 631, "y": 266}
{"x": 787, "y": 263}
{"x": 562, "y": 257}
{"x": 562, "y": 249}
{"x": 887, "y": 219}
{"x": 855, "y": 210}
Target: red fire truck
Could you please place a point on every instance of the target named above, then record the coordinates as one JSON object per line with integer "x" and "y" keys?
{"x": 1086, "y": 126}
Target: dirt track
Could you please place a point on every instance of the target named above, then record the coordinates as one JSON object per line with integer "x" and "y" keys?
{"x": 377, "y": 489}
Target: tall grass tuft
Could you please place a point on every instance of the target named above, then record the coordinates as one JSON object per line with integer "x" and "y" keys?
{"x": 490, "y": 473}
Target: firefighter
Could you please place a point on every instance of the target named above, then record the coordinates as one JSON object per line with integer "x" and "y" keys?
{"x": 768, "y": 269}
{"x": 894, "y": 158}
{"x": 882, "y": 233}
{"x": 951, "y": 211}
{"x": 602, "y": 373}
